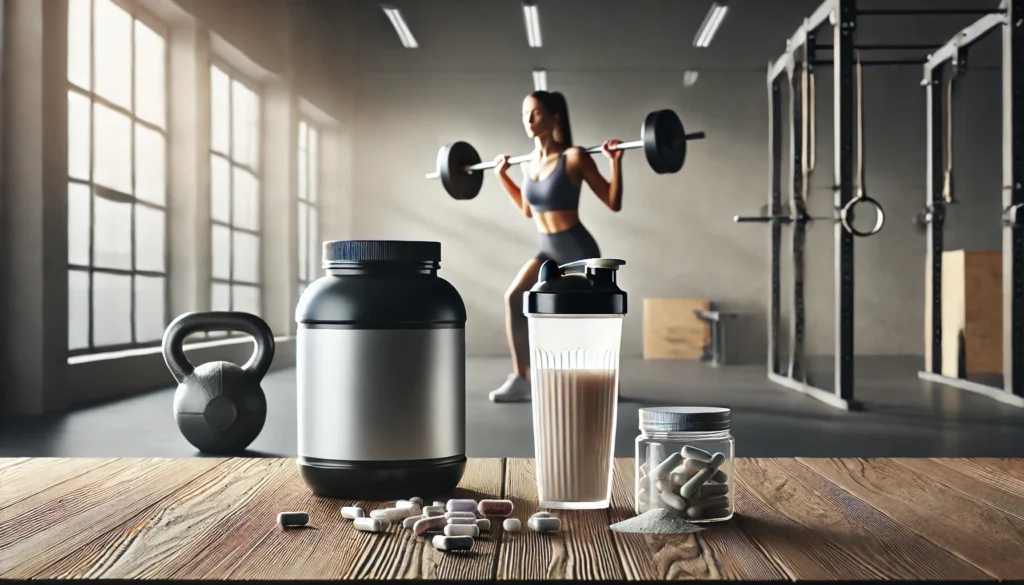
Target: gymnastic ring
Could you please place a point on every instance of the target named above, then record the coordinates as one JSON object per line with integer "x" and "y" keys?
{"x": 847, "y": 214}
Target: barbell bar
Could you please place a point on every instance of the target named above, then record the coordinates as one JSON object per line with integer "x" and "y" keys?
{"x": 663, "y": 139}
{"x": 846, "y": 216}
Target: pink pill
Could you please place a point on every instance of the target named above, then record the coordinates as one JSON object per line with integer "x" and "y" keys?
{"x": 461, "y": 505}
{"x": 499, "y": 508}
{"x": 431, "y": 524}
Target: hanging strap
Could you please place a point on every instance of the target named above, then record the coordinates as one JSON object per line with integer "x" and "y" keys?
{"x": 947, "y": 180}
{"x": 859, "y": 177}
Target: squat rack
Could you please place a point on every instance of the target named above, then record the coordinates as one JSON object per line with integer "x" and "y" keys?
{"x": 939, "y": 194}
{"x": 797, "y": 62}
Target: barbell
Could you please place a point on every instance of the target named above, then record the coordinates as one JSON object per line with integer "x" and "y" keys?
{"x": 846, "y": 216}
{"x": 662, "y": 137}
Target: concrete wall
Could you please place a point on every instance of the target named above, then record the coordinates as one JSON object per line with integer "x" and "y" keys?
{"x": 616, "y": 61}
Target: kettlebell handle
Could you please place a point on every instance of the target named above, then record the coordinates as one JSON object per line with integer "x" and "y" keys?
{"x": 196, "y": 322}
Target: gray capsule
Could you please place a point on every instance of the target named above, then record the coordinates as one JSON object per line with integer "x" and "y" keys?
{"x": 411, "y": 521}
{"x": 717, "y": 460}
{"x": 712, "y": 489}
{"x": 352, "y": 512}
{"x": 430, "y": 511}
{"x": 438, "y": 503}
{"x": 691, "y": 452}
{"x": 483, "y": 524}
{"x": 715, "y": 513}
{"x": 462, "y": 521}
{"x": 369, "y": 524}
{"x": 452, "y": 542}
{"x": 710, "y": 503}
{"x": 541, "y": 515}
{"x": 511, "y": 525}
{"x": 673, "y": 501}
{"x": 417, "y": 500}
{"x": 544, "y": 524}
{"x": 694, "y": 483}
{"x": 292, "y": 519}
{"x": 666, "y": 466}
{"x": 462, "y": 530}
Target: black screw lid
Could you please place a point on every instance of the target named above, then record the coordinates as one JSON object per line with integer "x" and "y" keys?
{"x": 380, "y": 251}
{"x": 685, "y": 419}
{"x": 592, "y": 291}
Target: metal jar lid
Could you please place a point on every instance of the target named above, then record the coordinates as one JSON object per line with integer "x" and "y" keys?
{"x": 685, "y": 419}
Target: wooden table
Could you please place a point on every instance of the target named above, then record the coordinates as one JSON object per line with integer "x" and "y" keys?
{"x": 796, "y": 519}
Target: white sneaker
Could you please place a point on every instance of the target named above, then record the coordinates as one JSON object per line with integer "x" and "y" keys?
{"x": 515, "y": 389}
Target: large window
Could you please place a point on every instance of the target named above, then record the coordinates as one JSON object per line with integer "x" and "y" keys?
{"x": 235, "y": 192}
{"x": 117, "y": 180}
{"x": 309, "y": 196}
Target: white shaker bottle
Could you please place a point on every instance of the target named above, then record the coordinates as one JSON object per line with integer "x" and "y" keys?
{"x": 575, "y": 314}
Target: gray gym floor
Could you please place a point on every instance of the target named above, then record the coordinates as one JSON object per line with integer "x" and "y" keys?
{"x": 903, "y": 416}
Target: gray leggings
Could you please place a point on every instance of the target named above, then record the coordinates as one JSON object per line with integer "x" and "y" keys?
{"x": 569, "y": 245}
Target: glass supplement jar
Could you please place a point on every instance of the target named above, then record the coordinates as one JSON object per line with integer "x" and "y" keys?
{"x": 684, "y": 462}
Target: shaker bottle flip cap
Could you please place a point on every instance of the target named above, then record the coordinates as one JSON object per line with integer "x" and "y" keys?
{"x": 561, "y": 290}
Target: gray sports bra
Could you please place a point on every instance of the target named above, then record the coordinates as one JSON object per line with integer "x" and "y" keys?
{"x": 556, "y": 192}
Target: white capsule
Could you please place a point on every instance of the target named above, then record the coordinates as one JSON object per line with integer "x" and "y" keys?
{"x": 392, "y": 514}
{"x": 433, "y": 511}
{"x": 452, "y": 542}
{"x": 352, "y": 512}
{"x": 368, "y": 524}
{"x": 483, "y": 524}
{"x": 673, "y": 501}
{"x": 462, "y": 530}
{"x": 691, "y": 452}
{"x": 462, "y": 521}
{"x": 417, "y": 500}
{"x": 412, "y": 520}
{"x": 666, "y": 466}
{"x": 511, "y": 525}
{"x": 544, "y": 524}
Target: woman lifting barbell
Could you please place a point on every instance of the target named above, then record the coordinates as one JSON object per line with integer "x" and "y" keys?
{"x": 550, "y": 194}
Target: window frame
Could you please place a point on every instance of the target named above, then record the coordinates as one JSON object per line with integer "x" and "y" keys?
{"x": 163, "y": 30}
{"x": 234, "y": 74}
{"x": 303, "y": 201}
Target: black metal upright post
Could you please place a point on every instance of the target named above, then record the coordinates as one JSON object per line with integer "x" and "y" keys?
{"x": 935, "y": 208}
{"x": 1013, "y": 195}
{"x": 845, "y": 133}
{"x": 774, "y": 208}
{"x": 799, "y": 207}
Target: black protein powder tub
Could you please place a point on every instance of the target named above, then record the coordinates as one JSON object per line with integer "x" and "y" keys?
{"x": 381, "y": 372}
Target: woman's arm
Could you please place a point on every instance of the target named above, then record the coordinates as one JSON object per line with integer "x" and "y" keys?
{"x": 610, "y": 192}
{"x": 501, "y": 170}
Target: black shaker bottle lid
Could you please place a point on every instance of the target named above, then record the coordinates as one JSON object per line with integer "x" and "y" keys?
{"x": 380, "y": 251}
{"x": 584, "y": 287}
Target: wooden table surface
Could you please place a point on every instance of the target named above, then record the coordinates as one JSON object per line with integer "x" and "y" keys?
{"x": 796, "y": 519}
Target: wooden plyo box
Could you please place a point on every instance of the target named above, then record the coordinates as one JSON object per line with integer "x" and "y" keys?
{"x": 673, "y": 331}
{"x": 972, "y": 313}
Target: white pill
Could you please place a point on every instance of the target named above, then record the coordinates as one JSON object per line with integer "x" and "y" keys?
{"x": 433, "y": 511}
{"x": 411, "y": 521}
{"x": 541, "y": 515}
{"x": 694, "y": 483}
{"x": 673, "y": 501}
{"x": 368, "y": 524}
{"x": 460, "y": 515}
{"x": 666, "y": 466}
{"x": 712, "y": 489}
{"x": 483, "y": 524}
{"x": 452, "y": 542}
{"x": 462, "y": 530}
{"x": 412, "y": 507}
{"x": 462, "y": 521}
{"x": 544, "y": 524}
{"x": 691, "y": 452}
{"x": 511, "y": 524}
{"x": 717, "y": 460}
{"x": 418, "y": 500}
{"x": 392, "y": 514}
{"x": 385, "y": 524}
{"x": 437, "y": 503}
{"x": 641, "y": 496}
{"x": 664, "y": 485}
{"x": 352, "y": 512}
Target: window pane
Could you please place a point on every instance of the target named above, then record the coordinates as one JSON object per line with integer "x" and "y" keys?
{"x": 150, "y": 225}
{"x": 150, "y": 162}
{"x": 78, "y": 309}
{"x": 303, "y": 132}
{"x": 150, "y": 75}
{"x": 221, "y": 246}
{"x": 314, "y": 165}
{"x": 247, "y": 207}
{"x": 112, "y": 145}
{"x": 220, "y": 188}
{"x": 240, "y": 125}
{"x": 220, "y": 110}
{"x": 113, "y": 53}
{"x": 78, "y": 223}
{"x": 113, "y": 234}
{"x": 314, "y": 243}
{"x": 79, "y": 26}
{"x": 254, "y": 130}
{"x": 220, "y": 297}
{"x": 149, "y": 308}
{"x": 303, "y": 242}
{"x": 247, "y": 298}
{"x": 112, "y": 305}
{"x": 303, "y": 175}
{"x": 246, "y": 257}
{"x": 78, "y": 135}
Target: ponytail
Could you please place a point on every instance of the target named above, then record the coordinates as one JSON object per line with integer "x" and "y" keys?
{"x": 556, "y": 105}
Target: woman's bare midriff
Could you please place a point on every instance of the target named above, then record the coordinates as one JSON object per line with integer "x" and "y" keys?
{"x": 552, "y": 222}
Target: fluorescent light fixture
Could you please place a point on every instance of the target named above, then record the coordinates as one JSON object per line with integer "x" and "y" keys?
{"x": 540, "y": 80}
{"x": 404, "y": 35}
{"x": 689, "y": 78}
{"x": 532, "y": 20}
{"x": 710, "y": 25}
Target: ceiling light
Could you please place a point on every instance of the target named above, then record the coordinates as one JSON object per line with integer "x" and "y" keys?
{"x": 709, "y": 27}
{"x": 689, "y": 78}
{"x": 540, "y": 80}
{"x": 532, "y": 20}
{"x": 404, "y": 34}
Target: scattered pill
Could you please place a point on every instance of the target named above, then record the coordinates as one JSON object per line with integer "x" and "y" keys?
{"x": 666, "y": 466}
{"x": 352, "y": 512}
{"x": 483, "y": 524}
{"x": 499, "y": 508}
{"x": 368, "y": 524}
{"x": 433, "y": 511}
{"x": 462, "y": 521}
{"x": 673, "y": 501}
{"x": 452, "y": 542}
{"x": 412, "y": 507}
{"x": 411, "y": 521}
{"x": 291, "y": 519}
{"x": 460, "y": 515}
{"x": 429, "y": 524}
{"x": 462, "y": 530}
{"x": 436, "y": 503}
{"x": 392, "y": 514}
{"x": 541, "y": 515}
{"x": 544, "y": 524}
{"x": 699, "y": 479}
{"x": 417, "y": 500}
{"x": 511, "y": 525}
{"x": 691, "y": 452}
{"x": 385, "y": 524}
{"x": 461, "y": 505}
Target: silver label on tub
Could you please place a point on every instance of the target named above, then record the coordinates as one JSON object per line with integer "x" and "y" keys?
{"x": 381, "y": 395}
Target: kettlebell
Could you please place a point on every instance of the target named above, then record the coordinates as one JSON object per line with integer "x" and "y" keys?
{"x": 220, "y": 407}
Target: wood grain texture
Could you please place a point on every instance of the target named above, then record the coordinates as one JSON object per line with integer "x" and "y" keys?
{"x": 1005, "y": 474}
{"x": 839, "y": 532}
{"x": 26, "y": 477}
{"x": 721, "y": 551}
{"x": 673, "y": 331}
{"x": 1004, "y": 500}
{"x": 45, "y": 528}
{"x": 987, "y": 538}
{"x": 583, "y": 549}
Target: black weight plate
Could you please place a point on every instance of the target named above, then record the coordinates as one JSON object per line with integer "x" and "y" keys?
{"x": 452, "y": 160}
{"x": 664, "y": 141}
